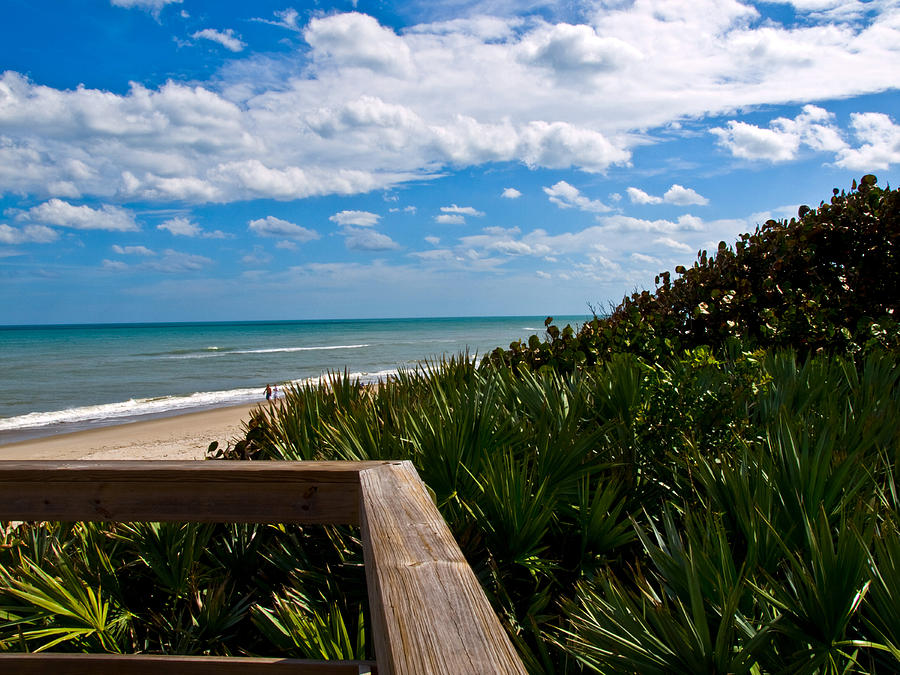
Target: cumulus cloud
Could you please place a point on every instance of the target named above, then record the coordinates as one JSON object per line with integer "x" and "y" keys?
{"x": 180, "y": 226}
{"x": 677, "y": 194}
{"x": 366, "y": 107}
{"x": 63, "y": 214}
{"x": 510, "y": 193}
{"x": 30, "y": 234}
{"x": 184, "y": 227}
{"x": 358, "y": 41}
{"x": 814, "y": 127}
{"x": 565, "y": 48}
{"x": 359, "y": 218}
{"x": 567, "y": 196}
{"x": 270, "y": 226}
{"x": 881, "y": 143}
{"x": 226, "y": 38}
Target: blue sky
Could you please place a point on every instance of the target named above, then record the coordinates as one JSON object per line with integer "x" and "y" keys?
{"x": 176, "y": 160}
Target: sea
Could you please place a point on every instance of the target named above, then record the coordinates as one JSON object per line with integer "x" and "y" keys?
{"x": 59, "y": 379}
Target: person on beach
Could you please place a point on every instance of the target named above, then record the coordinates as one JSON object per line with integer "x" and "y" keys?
{"x": 275, "y": 392}
{"x": 268, "y": 393}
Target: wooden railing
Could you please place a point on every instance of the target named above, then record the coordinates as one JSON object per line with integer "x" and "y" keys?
{"x": 429, "y": 613}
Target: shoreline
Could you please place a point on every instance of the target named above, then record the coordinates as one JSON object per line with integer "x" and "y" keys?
{"x": 176, "y": 437}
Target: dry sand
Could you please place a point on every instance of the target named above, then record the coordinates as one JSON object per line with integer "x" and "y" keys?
{"x": 180, "y": 437}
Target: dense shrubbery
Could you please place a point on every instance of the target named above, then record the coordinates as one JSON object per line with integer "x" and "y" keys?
{"x": 705, "y": 515}
{"x": 828, "y": 280}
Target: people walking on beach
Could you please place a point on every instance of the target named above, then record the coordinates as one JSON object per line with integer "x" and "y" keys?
{"x": 268, "y": 393}
{"x": 275, "y": 392}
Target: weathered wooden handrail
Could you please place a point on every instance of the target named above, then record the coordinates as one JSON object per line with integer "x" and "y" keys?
{"x": 429, "y": 613}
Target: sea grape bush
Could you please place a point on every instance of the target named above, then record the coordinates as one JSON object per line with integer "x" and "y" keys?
{"x": 828, "y": 280}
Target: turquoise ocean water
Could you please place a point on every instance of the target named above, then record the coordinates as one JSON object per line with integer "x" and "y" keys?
{"x": 56, "y": 379}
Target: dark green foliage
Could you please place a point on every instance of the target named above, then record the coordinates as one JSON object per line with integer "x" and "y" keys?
{"x": 826, "y": 280}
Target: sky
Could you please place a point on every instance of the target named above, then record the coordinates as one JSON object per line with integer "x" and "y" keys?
{"x": 194, "y": 160}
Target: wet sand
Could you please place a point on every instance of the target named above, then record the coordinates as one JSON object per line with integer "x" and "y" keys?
{"x": 180, "y": 437}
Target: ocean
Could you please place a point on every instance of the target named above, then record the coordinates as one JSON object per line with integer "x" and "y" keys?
{"x": 57, "y": 379}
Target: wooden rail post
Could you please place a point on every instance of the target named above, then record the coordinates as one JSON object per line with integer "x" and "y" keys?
{"x": 429, "y": 612}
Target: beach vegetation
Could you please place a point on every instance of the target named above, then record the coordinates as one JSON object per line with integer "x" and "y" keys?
{"x": 826, "y": 280}
{"x": 671, "y": 494}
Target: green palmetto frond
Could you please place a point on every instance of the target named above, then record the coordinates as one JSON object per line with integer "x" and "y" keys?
{"x": 63, "y": 611}
{"x": 817, "y": 596}
{"x": 321, "y": 632}
{"x": 172, "y": 552}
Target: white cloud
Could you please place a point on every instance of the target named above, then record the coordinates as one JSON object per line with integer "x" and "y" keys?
{"x": 114, "y": 265}
{"x": 366, "y": 108}
{"x": 560, "y": 145}
{"x": 358, "y": 41}
{"x": 682, "y": 196}
{"x": 565, "y": 48}
{"x": 183, "y": 227}
{"x": 270, "y": 226}
{"x": 461, "y": 210}
{"x": 132, "y": 250}
{"x": 434, "y": 241}
{"x": 226, "y": 38}
{"x": 622, "y": 223}
{"x": 30, "y": 234}
{"x": 288, "y": 245}
{"x": 567, "y": 196}
{"x": 644, "y": 259}
{"x": 153, "y": 6}
{"x": 285, "y": 19}
{"x": 749, "y": 141}
{"x": 450, "y": 219}
{"x": 63, "y": 214}
{"x": 677, "y": 194}
{"x": 814, "y": 127}
{"x": 511, "y": 193}
{"x": 638, "y": 196}
{"x": 357, "y": 239}
{"x": 674, "y": 244}
{"x": 881, "y": 143}
{"x": 180, "y": 226}
{"x": 359, "y": 218}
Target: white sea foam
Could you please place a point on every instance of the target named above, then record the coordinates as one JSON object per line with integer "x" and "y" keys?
{"x": 216, "y": 351}
{"x": 161, "y": 405}
{"x": 274, "y": 350}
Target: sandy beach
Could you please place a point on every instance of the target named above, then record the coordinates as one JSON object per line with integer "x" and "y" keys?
{"x": 180, "y": 437}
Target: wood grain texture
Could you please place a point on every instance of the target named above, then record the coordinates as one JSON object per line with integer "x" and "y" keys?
{"x": 190, "y": 491}
{"x": 110, "y": 664}
{"x": 430, "y": 614}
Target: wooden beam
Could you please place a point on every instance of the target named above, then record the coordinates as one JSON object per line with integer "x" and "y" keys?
{"x": 115, "y": 664}
{"x": 188, "y": 491}
{"x": 429, "y": 612}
